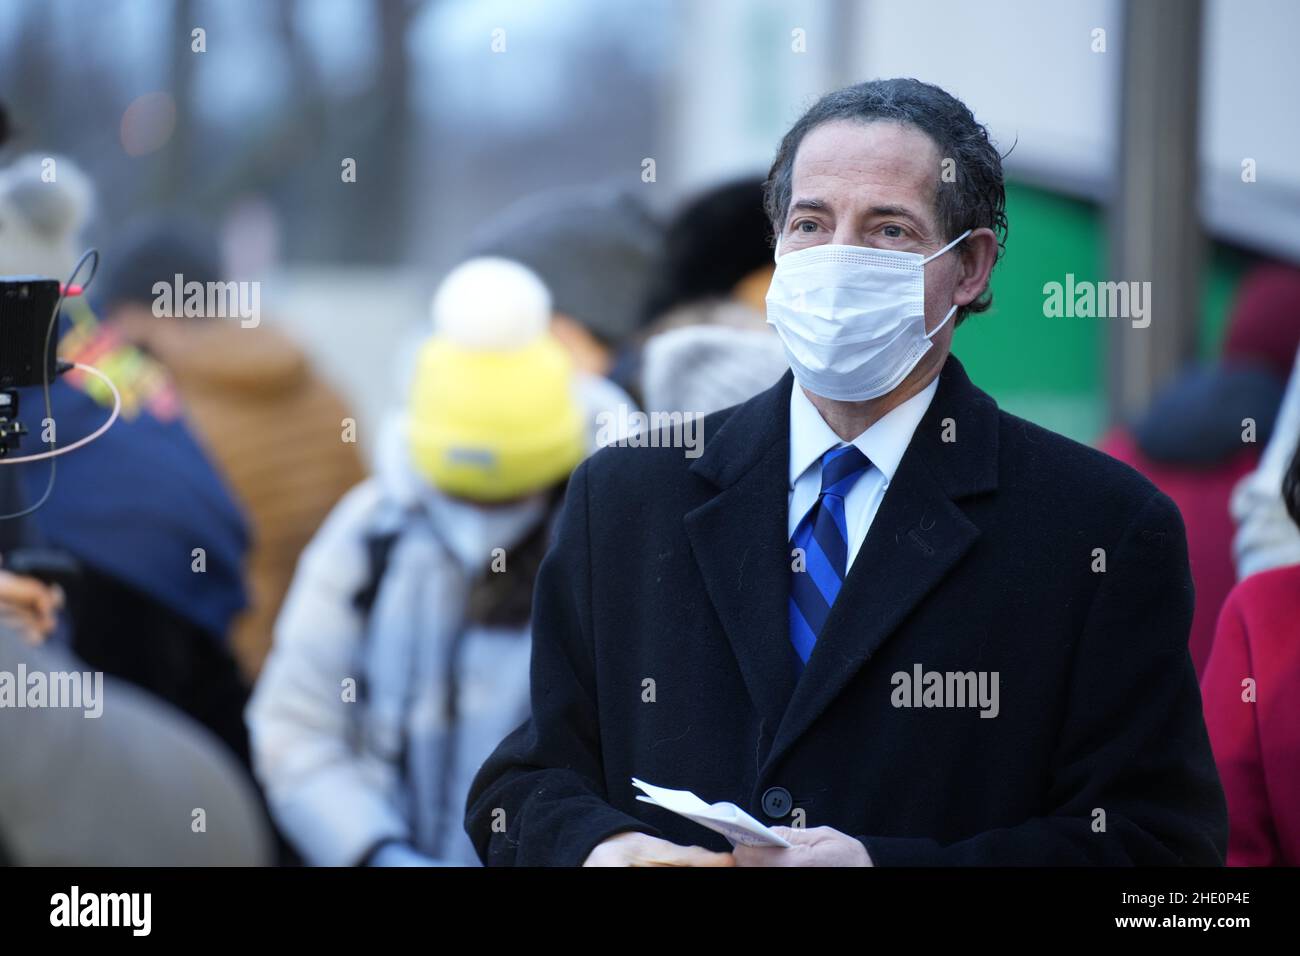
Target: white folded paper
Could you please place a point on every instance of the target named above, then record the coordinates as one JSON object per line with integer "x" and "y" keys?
{"x": 725, "y": 818}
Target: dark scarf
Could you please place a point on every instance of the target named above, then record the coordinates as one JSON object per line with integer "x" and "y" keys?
{"x": 505, "y": 598}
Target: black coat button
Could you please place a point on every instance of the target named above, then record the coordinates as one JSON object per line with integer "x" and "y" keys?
{"x": 777, "y": 802}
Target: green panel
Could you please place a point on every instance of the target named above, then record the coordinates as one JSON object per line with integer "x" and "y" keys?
{"x": 1047, "y": 369}
{"x": 1050, "y": 369}
{"x": 1013, "y": 345}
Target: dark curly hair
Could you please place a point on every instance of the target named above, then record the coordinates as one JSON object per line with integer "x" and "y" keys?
{"x": 975, "y": 199}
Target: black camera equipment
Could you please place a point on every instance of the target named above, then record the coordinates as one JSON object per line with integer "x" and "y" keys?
{"x": 27, "y": 349}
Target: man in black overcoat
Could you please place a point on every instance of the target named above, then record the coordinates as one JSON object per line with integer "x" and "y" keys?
{"x": 885, "y": 618}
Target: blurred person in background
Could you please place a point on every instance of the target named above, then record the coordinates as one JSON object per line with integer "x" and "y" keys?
{"x": 704, "y": 343}
{"x": 273, "y": 427}
{"x": 1266, "y": 536}
{"x": 158, "y": 536}
{"x": 401, "y": 656}
{"x": 28, "y": 605}
{"x": 706, "y": 368}
{"x": 1251, "y": 690}
{"x": 594, "y": 248}
{"x": 1191, "y": 441}
{"x": 715, "y": 260}
{"x": 141, "y": 765}
{"x": 117, "y": 782}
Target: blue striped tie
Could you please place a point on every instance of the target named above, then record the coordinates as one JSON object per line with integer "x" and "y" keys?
{"x": 823, "y": 537}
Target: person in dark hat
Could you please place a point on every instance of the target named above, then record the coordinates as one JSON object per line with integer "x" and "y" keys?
{"x": 1190, "y": 440}
{"x": 593, "y": 247}
{"x": 270, "y": 422}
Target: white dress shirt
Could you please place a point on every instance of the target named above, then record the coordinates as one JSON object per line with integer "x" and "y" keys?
{"x": 883, "y": 444}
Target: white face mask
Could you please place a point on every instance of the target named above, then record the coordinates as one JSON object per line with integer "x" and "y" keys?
{"x": 852, "y": 319}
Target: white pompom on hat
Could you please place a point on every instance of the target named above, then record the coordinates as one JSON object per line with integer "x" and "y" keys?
{"x": 493, "y": 412}
{"x": 491, "y": 303}
{"x": 45, "y": 202}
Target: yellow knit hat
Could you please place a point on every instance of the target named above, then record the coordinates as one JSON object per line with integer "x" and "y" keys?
{"x": 493, "y": 414}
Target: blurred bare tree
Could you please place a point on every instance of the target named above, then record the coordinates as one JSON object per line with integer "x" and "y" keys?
{"x": 69, "y": 69}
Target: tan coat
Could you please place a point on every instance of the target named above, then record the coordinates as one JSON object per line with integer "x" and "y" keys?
{"x": 275, "y": 431}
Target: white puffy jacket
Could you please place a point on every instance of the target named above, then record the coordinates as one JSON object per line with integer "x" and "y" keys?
{"x": 348, "y": 722}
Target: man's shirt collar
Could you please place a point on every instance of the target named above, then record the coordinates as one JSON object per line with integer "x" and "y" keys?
{"x": 883, "y": 443}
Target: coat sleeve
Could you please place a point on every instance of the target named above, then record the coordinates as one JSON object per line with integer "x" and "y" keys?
{"x": 1234, "y": 735}
{"x": 539, "y": 799}
{"x": 333, "y": 801}
{"x": 1133, "y": 755}
{"x": 1266, "y": 536}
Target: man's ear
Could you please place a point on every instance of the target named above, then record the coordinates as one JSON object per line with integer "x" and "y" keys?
{"x": 979, "y": 253}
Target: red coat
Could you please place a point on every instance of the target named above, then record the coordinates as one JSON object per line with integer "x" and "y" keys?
{"x": 1257, "y": 745}
{"x": 1202, "y": 497}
